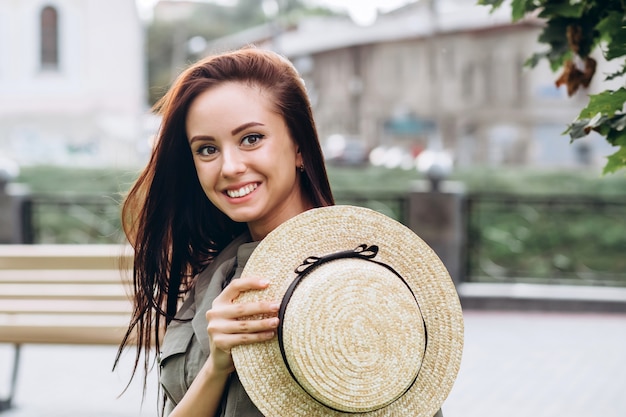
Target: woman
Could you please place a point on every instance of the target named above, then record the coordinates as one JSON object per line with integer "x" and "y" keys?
{"x": 237, "y": 154}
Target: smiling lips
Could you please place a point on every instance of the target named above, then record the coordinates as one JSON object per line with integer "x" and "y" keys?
{"x": 242, "y": 192}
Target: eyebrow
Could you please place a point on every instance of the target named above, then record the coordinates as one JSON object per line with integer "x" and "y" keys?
{"x": 235, "y": 131}
{"x": 245, "y": 126}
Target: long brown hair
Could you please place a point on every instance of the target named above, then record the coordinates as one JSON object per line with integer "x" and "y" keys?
{"x": 173, "y": 227}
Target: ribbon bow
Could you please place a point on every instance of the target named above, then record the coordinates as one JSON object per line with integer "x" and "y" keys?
{"x": 362, "y": 251}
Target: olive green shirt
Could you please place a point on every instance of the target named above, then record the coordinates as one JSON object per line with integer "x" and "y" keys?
{"x": 185, "y": 347}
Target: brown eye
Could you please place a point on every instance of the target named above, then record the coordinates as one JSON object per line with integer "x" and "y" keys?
{"x": 206, "y": 150}
{"x": 251, "y": 140}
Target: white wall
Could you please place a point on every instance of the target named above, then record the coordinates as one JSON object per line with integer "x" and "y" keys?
{"x": 90, "y": 109}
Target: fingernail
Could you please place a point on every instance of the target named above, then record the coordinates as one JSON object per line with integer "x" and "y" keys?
{"x": 264, "y": 282}
{"x": 275, "y": 306}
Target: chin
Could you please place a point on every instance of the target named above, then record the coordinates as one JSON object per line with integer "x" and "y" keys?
{"x": 241, "y": 217}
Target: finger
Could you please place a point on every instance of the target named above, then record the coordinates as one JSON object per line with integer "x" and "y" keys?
{"x": 228, "y": 333}
{"x": 237, "y": 286}
{"x": 243, "y": 310}
{"x": 226, "y": 342}
{"x": 241, "y": 327}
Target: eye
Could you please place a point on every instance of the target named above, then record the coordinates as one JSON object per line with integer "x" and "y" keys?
{"x": 206, "y": 150}
{"x": 251, "y": 140}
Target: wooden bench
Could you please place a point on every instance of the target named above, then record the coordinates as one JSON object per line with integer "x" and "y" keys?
{"x": 62, "y": 294}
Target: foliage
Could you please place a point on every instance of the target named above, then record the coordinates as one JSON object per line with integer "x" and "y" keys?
{"x": 42, "y": 179}
{"x": 573, "y": 30}
{"x": 571, "y": 240}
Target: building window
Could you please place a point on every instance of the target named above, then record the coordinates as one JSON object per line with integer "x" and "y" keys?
{"x": 49, "y": 38}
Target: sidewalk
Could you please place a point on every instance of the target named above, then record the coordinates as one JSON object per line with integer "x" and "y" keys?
{"x": 522, "y": 364}
{"x": 74, "y": 381}
{"x": 515, "y": 364}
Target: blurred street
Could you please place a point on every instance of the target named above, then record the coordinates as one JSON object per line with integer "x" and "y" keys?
{"x": 515, "y": 364}
{"x": 524, "y": 364}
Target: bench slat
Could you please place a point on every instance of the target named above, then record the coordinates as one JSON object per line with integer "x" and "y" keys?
{"x": 65, "y": 276}
{"x": 63, "y": 329}
{"x": 54, "y": 256}
{"x": 67, "y": 291}
{"x": 80, "y": 306}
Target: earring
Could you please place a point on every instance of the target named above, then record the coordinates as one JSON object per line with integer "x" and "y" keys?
{"x": 301, "y": 167}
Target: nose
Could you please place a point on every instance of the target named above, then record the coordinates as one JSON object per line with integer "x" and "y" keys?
{"x": 232, "y": 162}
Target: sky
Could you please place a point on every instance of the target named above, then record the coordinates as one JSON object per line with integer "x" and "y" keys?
{"x": 362, "y": 11}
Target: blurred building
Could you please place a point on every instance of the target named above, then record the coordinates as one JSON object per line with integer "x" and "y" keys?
{"x": 440, "y": 74}
{"x": 174, "y": 11}
{"x": 72, "y": 84}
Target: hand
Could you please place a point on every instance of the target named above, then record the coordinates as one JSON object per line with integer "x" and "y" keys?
{"x": 228, "y": 326}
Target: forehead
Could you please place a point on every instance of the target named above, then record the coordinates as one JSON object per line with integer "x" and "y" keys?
{"x": 229, "y": 104}
{"x": 240, "y": 93}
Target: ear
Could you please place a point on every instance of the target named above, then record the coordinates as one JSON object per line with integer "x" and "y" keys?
{"x": 299, "y": 159}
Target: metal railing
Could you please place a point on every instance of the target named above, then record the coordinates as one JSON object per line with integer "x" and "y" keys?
{"x": 546, "y": 239}
{"x": 71, "y": 219}
{"x": 510, "y": 238}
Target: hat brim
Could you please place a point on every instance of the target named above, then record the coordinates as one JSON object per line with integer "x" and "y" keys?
{"x": 321, "y": 231}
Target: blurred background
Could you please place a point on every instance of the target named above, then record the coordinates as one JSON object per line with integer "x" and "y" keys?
{"x": 425, "y": 111}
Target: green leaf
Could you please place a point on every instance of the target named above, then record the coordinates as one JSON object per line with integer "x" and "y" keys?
{"x": 618, "y": 122}
{"x": 535, "y": 58}
{"x": 555, "y": 35}
{"x": 563, "y": 9}
{"x": 612, "y": 21}
{"x": 582, "y": 127}
{"x": 613, "y": 30}
{"x": 616, "y": 137}
{"x": 617, "y": 73}
{"x": 519, "y": 8}
{"x": 596, "y": 123}
{"x": 555, "y": 32}
{"x": 616, "y": 48}
{"x": 616, "y": 161}
{"x": 576, "y": 130}
{"x": 607, "y": 103}
{"x": 557, "y": 58}
{"x": 493, "y": 3}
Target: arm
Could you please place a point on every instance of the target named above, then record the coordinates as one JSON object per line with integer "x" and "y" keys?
{"x": 226, "y": 330}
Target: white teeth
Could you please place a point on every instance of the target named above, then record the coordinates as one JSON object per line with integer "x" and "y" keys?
{"x": 243, "y": 191}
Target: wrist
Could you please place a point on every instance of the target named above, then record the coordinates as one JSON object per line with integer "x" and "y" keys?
{"x": 216, "y": 373}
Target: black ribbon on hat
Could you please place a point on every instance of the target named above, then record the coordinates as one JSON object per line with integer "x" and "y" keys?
{"x": 365, "y": 252}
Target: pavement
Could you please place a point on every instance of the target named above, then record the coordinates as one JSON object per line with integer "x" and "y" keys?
{"x": 515, "y": 364}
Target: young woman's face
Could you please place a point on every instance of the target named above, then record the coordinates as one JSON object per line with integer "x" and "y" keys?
{"x": 246, "y": 160}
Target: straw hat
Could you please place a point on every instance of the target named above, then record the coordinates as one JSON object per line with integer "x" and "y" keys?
{"x": 371, "y": 323}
